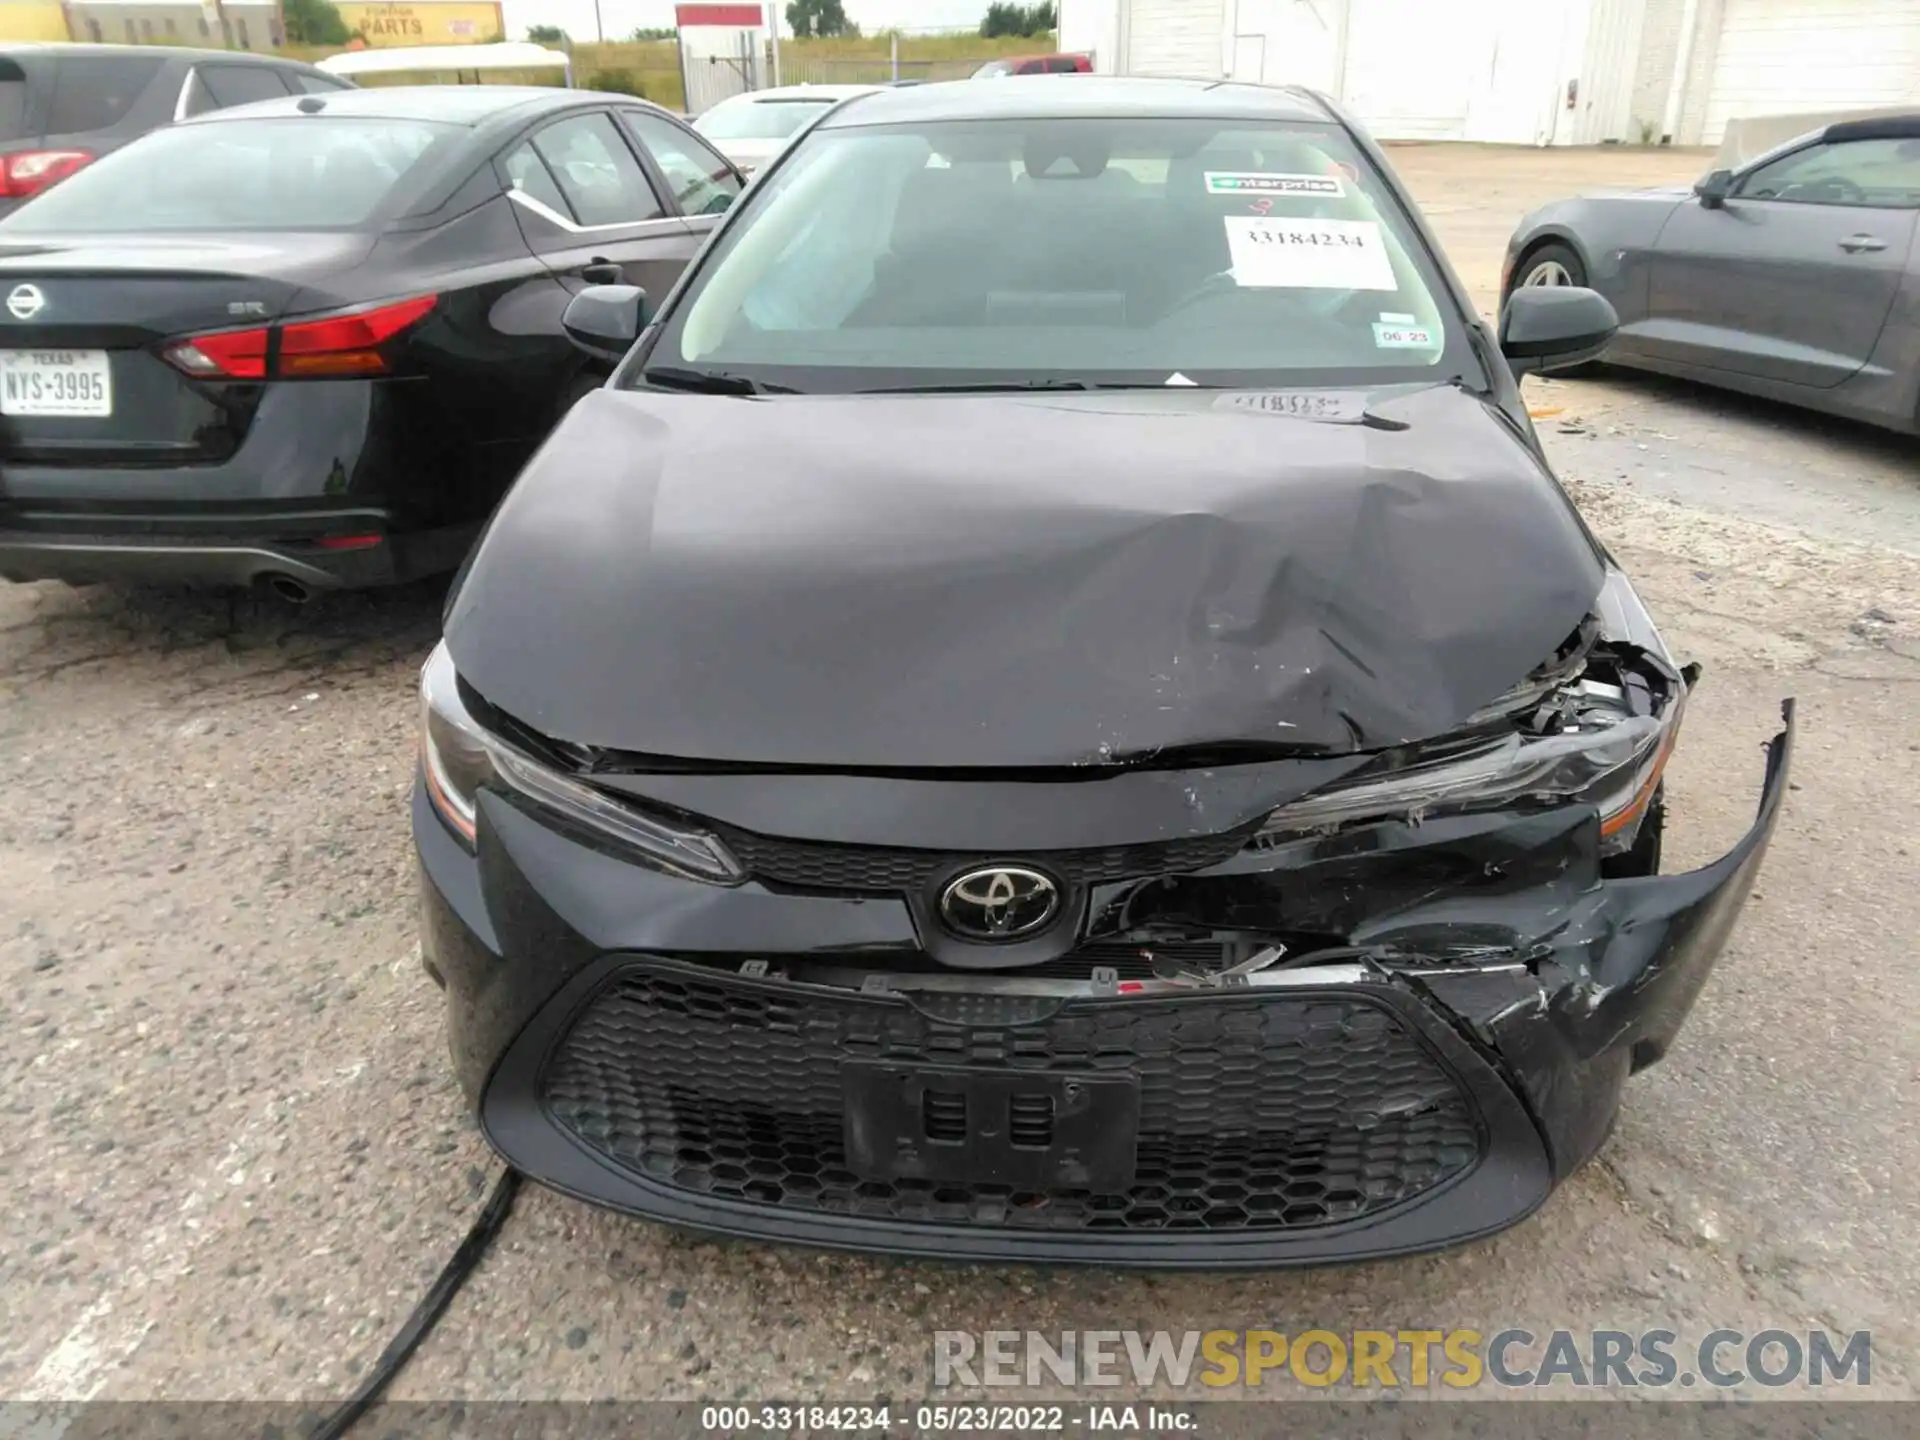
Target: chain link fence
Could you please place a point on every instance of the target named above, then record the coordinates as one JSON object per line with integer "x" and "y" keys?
{"x": 876, "y": 70}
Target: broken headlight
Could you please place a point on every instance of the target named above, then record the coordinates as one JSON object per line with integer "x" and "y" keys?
{"x": 1597, "y": 730}
{"x": 459, "y": 755}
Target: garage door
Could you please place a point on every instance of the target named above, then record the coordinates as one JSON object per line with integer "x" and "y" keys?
{"x": 1410, "y": 66}
{"x": 1175, "y": 37}
{"x": 1779, "y": 56}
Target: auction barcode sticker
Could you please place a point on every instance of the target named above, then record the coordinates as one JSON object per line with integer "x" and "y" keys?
{"x": 1269, "y": 252}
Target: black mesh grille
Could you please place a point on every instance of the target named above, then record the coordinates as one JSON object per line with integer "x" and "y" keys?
{"x": 817, "y": 866}
{"x": 1257, "y": 1112}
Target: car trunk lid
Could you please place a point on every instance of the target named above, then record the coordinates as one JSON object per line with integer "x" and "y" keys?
{"x": 83, "y": 321}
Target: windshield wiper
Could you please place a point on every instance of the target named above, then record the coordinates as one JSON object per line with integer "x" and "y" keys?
{"x": 991, "y": 387}
{"x": 711, "y": 382}
{"x": 978, "y": 387}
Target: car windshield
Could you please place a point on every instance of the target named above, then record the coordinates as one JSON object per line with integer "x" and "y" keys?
{"x": 1137, "y": 251}
{"x": 758, "y": 119}
{"x": 297, "y": 173}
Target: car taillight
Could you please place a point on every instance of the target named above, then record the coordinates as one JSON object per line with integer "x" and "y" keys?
{"x": 226, "y": 354}
{"x": 348, "y": 344}
{"x": 335, "y": 346}
{"x": 31, "y": 171}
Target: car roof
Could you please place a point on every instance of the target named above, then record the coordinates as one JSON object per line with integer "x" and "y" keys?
{"x": 181, "y": 54}
{"x": 801, "y": 92}
{"x": 1040, "y": 97}
{"x": 470, "y": 105}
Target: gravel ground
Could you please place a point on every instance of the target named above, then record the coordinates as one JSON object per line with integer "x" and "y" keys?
{"x": 236, "y": 1156}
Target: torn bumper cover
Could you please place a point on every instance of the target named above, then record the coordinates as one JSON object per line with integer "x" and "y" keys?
{"x": 776, "y": 1060}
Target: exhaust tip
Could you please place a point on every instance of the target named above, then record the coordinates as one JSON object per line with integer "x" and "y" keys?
{"x": 288, "y": 589}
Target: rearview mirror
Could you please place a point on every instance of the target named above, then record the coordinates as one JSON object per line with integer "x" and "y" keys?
{"x": 605, "y": 320}
{"x": 1713, "y": 188}
{"x": 1552, "y": 327}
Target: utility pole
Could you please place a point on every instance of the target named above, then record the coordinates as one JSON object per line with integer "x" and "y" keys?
{"x": 599, "y": 30}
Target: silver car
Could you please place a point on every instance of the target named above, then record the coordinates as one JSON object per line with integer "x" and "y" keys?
{"x": 1792, "y": 277}
{"x": 751, "y": 129}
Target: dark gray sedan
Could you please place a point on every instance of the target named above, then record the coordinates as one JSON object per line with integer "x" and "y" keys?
{"x": 64, "y": 106}
{"x": 1791, "y": 278}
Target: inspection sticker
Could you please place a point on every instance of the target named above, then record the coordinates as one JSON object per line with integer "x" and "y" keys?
{"x": 1308, "y": 254}
{"x": 1235, "y": 182}
{"x": 1403, "y": 337}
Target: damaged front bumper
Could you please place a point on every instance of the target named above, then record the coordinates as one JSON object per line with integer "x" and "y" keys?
{"x": 1443, "y": 1039}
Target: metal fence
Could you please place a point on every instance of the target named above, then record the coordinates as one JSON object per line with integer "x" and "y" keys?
{"x": 709, "y": 79}
{"x": 875, "y": 70}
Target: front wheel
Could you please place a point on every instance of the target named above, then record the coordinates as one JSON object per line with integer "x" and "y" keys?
{"x": 1552, "y": 264}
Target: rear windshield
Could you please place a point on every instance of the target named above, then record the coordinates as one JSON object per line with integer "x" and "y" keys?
{"x": 13, "y": 102}
{"x": 758, "y": 119}
{"x": 297, "y": 173}
{"x": 96, "y": 92}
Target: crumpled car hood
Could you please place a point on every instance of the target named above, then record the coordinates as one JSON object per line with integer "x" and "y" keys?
{"x": 1016, "y": 581}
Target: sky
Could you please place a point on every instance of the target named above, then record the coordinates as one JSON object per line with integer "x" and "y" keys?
{"x": 622, "y": 17}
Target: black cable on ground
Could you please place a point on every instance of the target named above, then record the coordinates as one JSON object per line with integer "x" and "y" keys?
{"x": 431, "y": 1307}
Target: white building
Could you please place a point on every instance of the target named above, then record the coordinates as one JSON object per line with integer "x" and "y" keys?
{"x": 1528, "y": 72}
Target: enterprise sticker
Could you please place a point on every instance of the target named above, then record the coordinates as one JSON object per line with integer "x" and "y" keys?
{"x": 1308, "y": 254}
{"x": 1236, "y": 182}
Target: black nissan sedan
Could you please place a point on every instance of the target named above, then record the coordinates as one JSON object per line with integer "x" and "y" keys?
{"x": 1054, "y": 710}
{"x": 309, "y": 343}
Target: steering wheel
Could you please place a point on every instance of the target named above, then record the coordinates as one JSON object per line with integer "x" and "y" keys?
{"x": 1838, "y": 190}
{"x": 1828, "y": 190}
{"x": 1222, "y": 283}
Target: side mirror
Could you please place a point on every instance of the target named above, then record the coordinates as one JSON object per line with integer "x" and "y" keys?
{"x": 1552, "y": 327}
{"x": 1713, "y": 189}
{"x": 605, "y": 320}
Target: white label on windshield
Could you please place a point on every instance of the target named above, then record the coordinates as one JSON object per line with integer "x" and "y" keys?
{"x": 1235, "y": 182}
{"x": 1403, "y": 337}
{"x": 1339, "y": 405}
{"x": 1308, "y": 254}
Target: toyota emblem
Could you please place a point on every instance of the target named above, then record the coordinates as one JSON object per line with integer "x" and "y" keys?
{"x": 999, "y": 902}
{"x": 25, "y": 301}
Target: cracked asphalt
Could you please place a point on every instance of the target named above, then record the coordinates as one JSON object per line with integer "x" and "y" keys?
{"x": 235, "y": 1155}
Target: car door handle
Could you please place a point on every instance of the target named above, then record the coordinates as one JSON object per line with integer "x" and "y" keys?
{"x": 1855, "y": 244}
{"x": 601, "y": 272}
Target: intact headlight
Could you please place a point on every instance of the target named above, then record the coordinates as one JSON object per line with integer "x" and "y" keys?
{"x": 459, "y": 756}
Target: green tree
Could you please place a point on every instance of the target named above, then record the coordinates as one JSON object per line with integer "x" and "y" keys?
{"x": 1006, "y": 18}
{"x": 313, "y": 22}
{"x": 654, "y": 32}
{"x": 808, "y": 18}
{"x": 547, "y": 35}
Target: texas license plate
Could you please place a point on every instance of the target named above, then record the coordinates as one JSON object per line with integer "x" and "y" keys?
{"x": 55, "y": 382}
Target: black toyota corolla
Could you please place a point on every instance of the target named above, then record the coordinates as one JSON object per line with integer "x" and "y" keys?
{"x": 1054, "y": 710}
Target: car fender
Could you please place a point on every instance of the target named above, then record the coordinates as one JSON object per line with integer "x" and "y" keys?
{"x": 1613, "y": 235}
